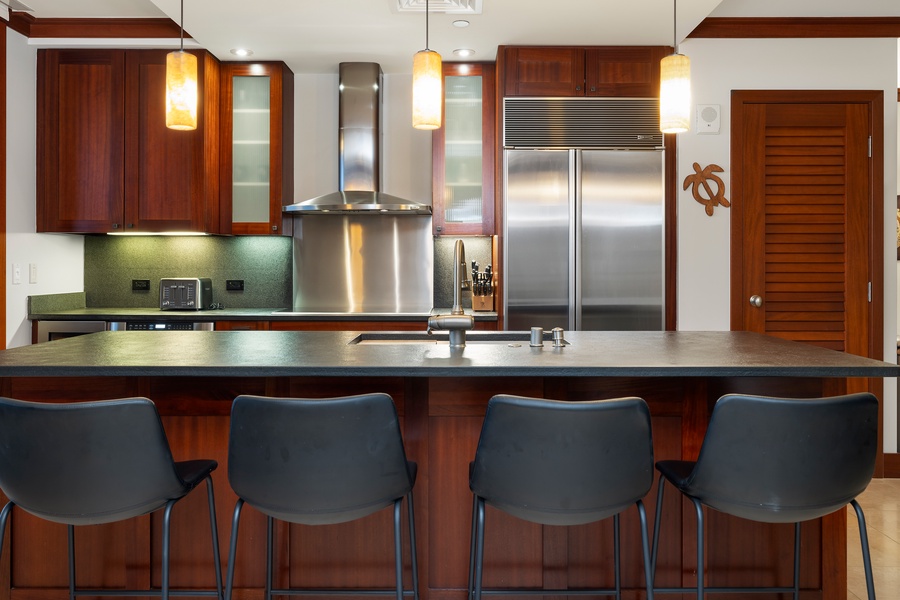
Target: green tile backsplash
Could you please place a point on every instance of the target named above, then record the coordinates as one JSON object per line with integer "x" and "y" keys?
{"x": 263, "y": 262}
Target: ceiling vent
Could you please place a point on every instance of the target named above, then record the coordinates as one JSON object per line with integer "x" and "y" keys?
{"x": 450, "y": 7}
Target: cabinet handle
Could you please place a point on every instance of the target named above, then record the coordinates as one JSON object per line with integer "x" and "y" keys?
{"x": 577, "y": 88}
{"x": 593, "y": 89}
{"x": 274, "y": 227}
{"x": 755, "y": 300}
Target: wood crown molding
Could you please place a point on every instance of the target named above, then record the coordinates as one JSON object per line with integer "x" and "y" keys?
{"x": 32, "y": 27}
{"x": 798, "y": 27}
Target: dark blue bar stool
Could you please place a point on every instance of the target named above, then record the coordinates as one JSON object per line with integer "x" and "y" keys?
{"x": 87, "y": 463}
{"x": 561, "y": 463}
{"x": 778, "y": 460}
{"x": 318, "y": 462}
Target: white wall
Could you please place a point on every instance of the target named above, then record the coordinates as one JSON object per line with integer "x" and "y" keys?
{"x": 59, "y": 258}
{"x": 719, "y": 66}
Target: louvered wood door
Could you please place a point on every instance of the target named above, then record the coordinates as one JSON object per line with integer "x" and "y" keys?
{"x": 803, "y": 224}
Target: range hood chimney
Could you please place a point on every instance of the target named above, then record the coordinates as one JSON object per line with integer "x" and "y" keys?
{"x": 359, "y": 143}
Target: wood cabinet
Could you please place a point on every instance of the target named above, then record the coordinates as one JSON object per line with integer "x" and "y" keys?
{"x": 106, "y": 160}
{"x": 623, "y": 71}
{"x": 257, "y": 158}
{"x": 464, "y": 151}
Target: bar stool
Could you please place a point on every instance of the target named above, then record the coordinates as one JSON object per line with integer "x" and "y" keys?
{"x": 338, "y": 460}
{"x": 778, "y": 460}
{"x": 87, "y": 463}
{"x": 561, "y": 463}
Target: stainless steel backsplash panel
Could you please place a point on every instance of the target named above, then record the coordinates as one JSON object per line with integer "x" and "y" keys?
{"x": 348, "y": 263}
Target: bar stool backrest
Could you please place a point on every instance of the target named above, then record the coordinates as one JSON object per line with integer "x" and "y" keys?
{"x": 782, "y": 460}
{"x": 84, "y": 463}
{"x": 563, "y": 463}
{"x": 317, "y": 461}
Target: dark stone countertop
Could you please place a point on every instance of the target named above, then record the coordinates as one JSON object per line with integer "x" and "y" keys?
{"x": 324, "y": 353}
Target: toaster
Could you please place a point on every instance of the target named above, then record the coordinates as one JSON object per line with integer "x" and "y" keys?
{"x": 185, "y": 293}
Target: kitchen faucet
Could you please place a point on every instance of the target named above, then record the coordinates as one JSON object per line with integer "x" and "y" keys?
{"x": 457, "y": 322}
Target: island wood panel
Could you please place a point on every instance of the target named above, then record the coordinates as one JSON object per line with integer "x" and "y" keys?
{"x": 441, "y": 419}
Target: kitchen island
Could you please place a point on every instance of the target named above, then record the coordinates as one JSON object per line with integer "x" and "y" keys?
{"x": 441, "y": 394}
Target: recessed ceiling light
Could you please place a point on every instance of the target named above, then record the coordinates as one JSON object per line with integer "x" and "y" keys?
{"x": 463, "y": 52}
{"x": 242, "y": 52}
{"x": 460, "y": 23}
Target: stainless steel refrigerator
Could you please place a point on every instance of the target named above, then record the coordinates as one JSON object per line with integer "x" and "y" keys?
{"x": 583, "y": 239}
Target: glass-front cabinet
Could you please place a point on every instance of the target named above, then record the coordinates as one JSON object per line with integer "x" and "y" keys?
{"x": 257, "y": 147}
{"x": 463, "y": 152}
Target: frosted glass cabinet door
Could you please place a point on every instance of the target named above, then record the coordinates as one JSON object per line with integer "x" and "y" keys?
{"x": 250, "y": 150}
{"x": 257, "y": 147}
{"x": 463, "y": 152}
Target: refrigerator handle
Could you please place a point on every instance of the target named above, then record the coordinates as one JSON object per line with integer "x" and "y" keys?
{"x": 574, "y": 239}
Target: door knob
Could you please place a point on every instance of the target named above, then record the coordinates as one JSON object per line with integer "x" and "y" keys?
{"x": 755, "y": 301}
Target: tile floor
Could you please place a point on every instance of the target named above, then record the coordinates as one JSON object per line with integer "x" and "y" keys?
{"x": 881, "y": 504}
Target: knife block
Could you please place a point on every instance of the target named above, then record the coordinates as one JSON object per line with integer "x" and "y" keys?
{"x": 483, "y": 303}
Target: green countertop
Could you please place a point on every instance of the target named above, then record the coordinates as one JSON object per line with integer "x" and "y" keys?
{"x": 323, "y": 353}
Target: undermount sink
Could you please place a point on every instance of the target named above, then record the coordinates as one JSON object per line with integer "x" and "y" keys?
{"x": 512, "y": 338}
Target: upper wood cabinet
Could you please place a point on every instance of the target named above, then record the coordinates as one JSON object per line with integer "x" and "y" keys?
{"x": 257, "y": 158}
{"x": 463, "y": 152}
{"x": 106, "y": 161}
{"x": 617, "y": 71}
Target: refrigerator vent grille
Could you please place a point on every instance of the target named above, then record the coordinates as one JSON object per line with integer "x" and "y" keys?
{"x": 581, "y": 123}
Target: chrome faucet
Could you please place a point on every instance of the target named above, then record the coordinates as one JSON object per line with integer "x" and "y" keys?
{"x": 457, "y": 322}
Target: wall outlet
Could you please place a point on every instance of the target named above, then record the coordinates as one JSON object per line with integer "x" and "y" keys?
{"x": 140, "y": 285}
{"x": 32, "y": 273}
{"x": 234, "y": 285}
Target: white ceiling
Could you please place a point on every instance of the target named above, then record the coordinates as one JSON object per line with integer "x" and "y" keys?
{"x": 313, "y": 36}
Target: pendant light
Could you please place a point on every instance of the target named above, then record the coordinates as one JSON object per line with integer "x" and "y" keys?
{"x": 675, "y": 87}
{"x": 427, "y": 86}
{"x": 181, "y": 86}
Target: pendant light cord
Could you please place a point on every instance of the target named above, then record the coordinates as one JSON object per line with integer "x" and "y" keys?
{"x": 182, "y": 25}
{"x": 426, "y": 24}
{"x": 674, "y": 26}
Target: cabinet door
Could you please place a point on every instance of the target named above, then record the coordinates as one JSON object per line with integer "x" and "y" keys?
{"x": 543, "y": 71}
{"x": 629, "y": 72}
{"x": 80, "y": 140}
{"x": 166, "y": 189}
{"x": 463, "y": 152}
{"x": 257, "y": 147}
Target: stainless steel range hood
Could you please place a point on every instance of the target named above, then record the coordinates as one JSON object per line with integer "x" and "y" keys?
{"x": 359, "y": 142}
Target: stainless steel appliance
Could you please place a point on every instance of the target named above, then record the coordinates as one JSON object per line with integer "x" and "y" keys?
{"x": 185, "y": 293}
{"x": 583, "y": 228}
{"x": 360, "y": 250}
{"x": 48, "y": 331}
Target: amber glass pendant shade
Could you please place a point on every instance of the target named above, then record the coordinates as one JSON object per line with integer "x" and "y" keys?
{"x": 427, "y": 90}
{"x": 675, "y": 93}
{"x": 181, "y": 90}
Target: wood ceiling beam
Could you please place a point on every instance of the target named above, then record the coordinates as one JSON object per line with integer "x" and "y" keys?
{"x": 798, "y": 27}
